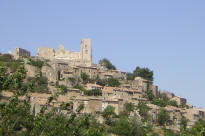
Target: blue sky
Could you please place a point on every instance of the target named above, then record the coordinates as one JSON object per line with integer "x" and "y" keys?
{"x": 165, "y": 36}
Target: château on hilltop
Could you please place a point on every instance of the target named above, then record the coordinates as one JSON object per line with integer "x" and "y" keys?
{"x": 70, "y": 83}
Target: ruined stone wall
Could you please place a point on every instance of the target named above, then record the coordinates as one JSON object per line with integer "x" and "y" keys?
{"x": 46, "y": 53}
{"x": 82, "y": 58}
{"x": 61, "y": 53}
{"x": 19, "y": 53}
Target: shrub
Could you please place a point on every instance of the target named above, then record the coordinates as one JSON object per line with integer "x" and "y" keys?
{"x": 94, "y": 92}
{"x": 63, "y": 88}
{"x": 38, "y": 84}
{"x": 72, "y": 80}
{"x": 173, "y": 103}
{"x": 163, "y": 117}
{"x": 144, "y": 73}
{"x": 112, "y": 82}
{"x": 85, "y": 78}
{"x": 8, "y": 61}
{"x": 36, "y": 63}
{"x": 143, "y": 110}
{"x": 105, "y": 62}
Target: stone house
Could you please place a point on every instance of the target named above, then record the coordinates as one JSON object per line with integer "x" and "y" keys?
{"x": 168, "y": 94}
{"x": 21, "y": 53}
{"x": 114, "y": 102}
{"x": 91, "y": 104}
{"x": 153, "y": 111}
{"x": 50, "y": 73}
{"x": 105, "y": 74}
{"x": 175, "y": 117}
{"x": 179, "y": 100}
{"x": 193, "y": 115}
{"x": 90, "y": 86}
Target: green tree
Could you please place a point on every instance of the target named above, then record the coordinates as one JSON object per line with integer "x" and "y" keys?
{"x": 198, "y": 129}
{"x": 93, "y": 92}
{"x": 108, "y": 114}
{"x": 72, "y": 80}
{"x": 183, "y": 124}
{"x": 144, "y": 73}
{"x": 150, "y": 95}
{"x": 15, "y": 117}
{"x": 36, "y": 63}
{"x": 129, "y": 107}
{"x": 125, "y": 126}
{"x": 143, "y": 111}
{"x": 3, "y": 77}
{"x": 85, "y": 78}
{"x": 113, "y": 82}
{"x": 38, "y": 84}
{"x": 130, "y": 76}
{"x": 80, "y": 108}
{"x": 100, "y": 81}
{"x": 173, "y": 103}
{"x": 163, "y": 117}
{"x": 105, "y": 62}
{"x": 63, "y": 88}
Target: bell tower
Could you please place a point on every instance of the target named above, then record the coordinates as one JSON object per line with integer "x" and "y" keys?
{"x": 86, "y": 51}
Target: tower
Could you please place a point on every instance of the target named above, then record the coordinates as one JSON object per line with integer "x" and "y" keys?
{"x": 86, "y": 51}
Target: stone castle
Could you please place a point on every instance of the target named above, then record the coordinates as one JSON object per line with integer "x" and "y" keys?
{"x": 64, "y": 65}
{"x": 83, "y": 58}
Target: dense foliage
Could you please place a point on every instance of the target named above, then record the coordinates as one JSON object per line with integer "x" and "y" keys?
{"x": 161, "y": 100}
{"x": 145, "y": 73}
{"x": 93, "y": 92}
{"x": 113, "y": 82}
{"x": 38, "y": 84}
{"x": 9, "y": 62}
{"x": 163, "y": 117}
{"x": 106, "y": 63}
{"x": 37, "y": 63}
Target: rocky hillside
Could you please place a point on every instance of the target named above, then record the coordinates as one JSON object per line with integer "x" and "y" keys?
{"x": 53, "y": 98}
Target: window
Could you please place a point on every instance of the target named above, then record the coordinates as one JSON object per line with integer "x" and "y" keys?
{"x": 86, "y": 51}
{"x": 85, "y": 46}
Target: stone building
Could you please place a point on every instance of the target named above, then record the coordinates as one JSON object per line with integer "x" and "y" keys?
{"x": 84, "y": 57}
{"x": 20, "y": 53}
{"x": 180, "y": 101}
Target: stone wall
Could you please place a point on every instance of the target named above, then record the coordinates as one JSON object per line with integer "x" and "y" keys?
{"x": 46, "y": 53}
{"x": 20, "y": 53}
{"x": 83, "y": 58}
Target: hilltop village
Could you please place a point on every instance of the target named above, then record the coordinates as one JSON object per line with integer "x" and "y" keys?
{"x": 73, "y": 84}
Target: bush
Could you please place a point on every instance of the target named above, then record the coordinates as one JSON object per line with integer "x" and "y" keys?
{"x": 125, "y": 126}
{"x": 63, "y": 88}
{"x": 113, "y": 82}
{"x": 183, "y": 123}
{"x": 94, "y": 92}
{"x": 38, "y": 84}
{"x": 159, "y": 102}
{"x": 141, "y": 72}
{"x": 144, "y": 73}
{"x": 173, "y": 103}
{"x": 163, "y": 117}
{"x": 129, "y": 107}
{"x": 85, "y": 78}
{"x": 130, "y": 76}
{"x": 105, "y": 62}
{"x": 36, "y": 63}
{"x": 8, "y": 61}
{"x": 72, "y": 80}
{"x": 150, "y": 95}
{"x": 108, "y": 114}
{"x": 143, "y": 110}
